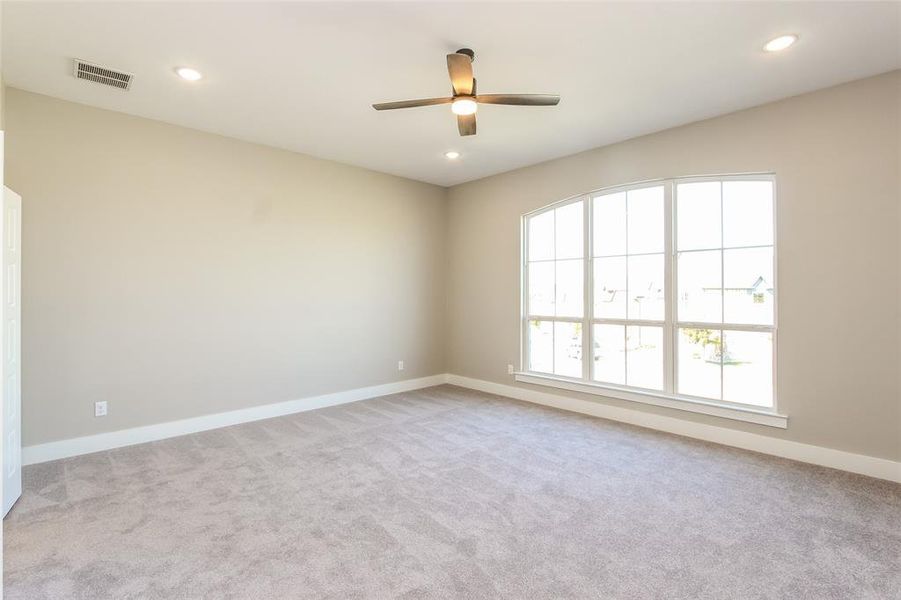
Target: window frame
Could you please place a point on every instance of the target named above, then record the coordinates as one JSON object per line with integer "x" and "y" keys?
{"x": 524, "y": 274}
{"x": 667, "y": 397}
{"x": 627, "y": 321}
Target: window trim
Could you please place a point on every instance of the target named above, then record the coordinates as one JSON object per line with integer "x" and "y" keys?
{"x": 524, "y": 279}
{"x": 745, "y": 412}
{"x": 626, "y": 322}
{"x": 761, "y": 416}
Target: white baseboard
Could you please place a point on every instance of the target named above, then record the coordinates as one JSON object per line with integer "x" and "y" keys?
{"x": 818, "y": 455}
{"x": 126, "y": 437}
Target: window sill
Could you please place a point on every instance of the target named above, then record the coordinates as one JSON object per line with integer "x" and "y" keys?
{"x": 761, "y": 416}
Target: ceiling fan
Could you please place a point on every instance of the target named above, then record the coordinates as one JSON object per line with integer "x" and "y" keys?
{"x": 465, "y": 100}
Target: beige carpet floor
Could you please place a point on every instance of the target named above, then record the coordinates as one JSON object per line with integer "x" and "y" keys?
{"x": 447, "y": 493}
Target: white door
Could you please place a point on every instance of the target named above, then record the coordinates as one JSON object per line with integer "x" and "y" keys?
{"x": 11, "y": 368}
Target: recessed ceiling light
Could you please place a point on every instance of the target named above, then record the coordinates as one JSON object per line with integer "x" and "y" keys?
{"x": 464, "y": 106}
{"x": 780, "y": 43}
{"x": 189, "y": 73}
{"x": 452, "y": 154}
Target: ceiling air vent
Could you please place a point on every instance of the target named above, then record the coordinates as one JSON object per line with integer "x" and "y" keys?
{"x": 103, "y": 75}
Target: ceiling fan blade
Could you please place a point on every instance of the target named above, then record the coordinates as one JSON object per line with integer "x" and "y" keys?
{"x": 412, "y": 103}
{"x": 466, "y": 124}
{"x": 459, "y": 66}
{"x": 519, "y": 99}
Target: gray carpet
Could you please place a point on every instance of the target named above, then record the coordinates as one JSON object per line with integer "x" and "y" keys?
{"x": 447, "y": 493}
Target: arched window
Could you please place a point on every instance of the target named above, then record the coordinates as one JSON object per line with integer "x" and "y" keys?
{"x": 665, "y": 289}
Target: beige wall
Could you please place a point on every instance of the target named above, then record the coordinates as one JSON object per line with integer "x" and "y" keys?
{"x": 175, "y": 273}
{"x": 836, "y": 158}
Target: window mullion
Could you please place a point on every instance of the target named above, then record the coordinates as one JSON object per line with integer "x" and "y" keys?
{"x": 722, "y": 290}
{"x": 524, "y": 300}
{"x": 628, "y": 293}
{"x": 669, "y": 291}
{"x": 587, "y": 291}
{"x": 554, "y": 323}
{"x": 727, "y": 326}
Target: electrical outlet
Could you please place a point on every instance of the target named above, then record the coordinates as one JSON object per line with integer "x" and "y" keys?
{"x": 400, "y": 365}
{"x": 100, "y": 409}
{"x": 509, "y": 369}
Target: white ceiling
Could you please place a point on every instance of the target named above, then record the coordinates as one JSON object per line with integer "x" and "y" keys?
{"x": 301, "y": 76}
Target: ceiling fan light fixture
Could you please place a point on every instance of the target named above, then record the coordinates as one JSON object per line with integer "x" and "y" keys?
{"x": 464, "y": 106}
{"x": 465, "y": 102}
